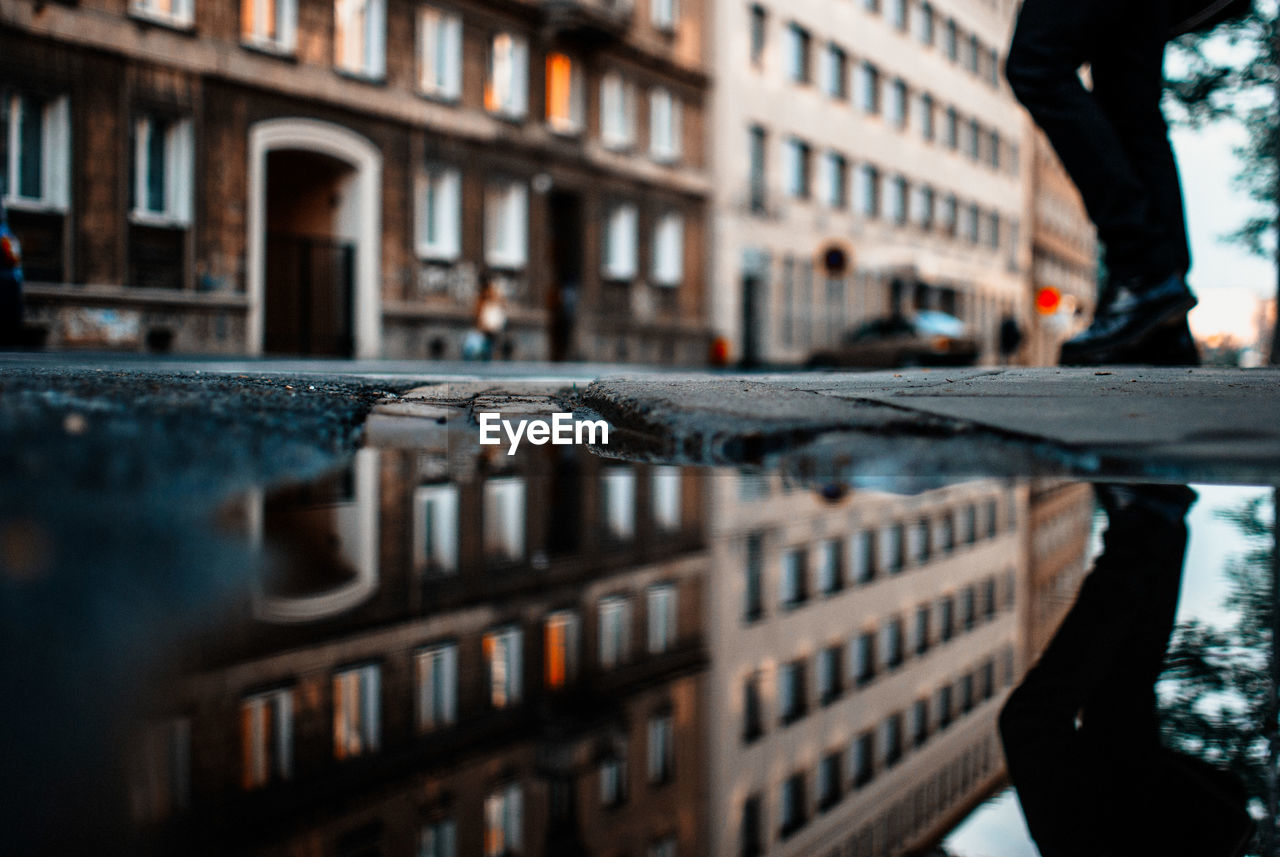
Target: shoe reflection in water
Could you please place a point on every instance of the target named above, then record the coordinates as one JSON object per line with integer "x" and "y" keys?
{"x": 1081, "y": 733}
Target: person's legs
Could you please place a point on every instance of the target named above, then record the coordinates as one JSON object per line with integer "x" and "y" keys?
{"x": 1051, "y": 42}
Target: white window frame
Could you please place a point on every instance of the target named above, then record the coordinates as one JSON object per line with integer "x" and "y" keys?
{"x": 833, "y": 71}
{"x": 55, "y": 153}
{"x": 179, "y": 14}
{"x": 668, "y": 250}
{"x": 661, "y": 741}
{"x": 439, "y": 53}
{"x": 357, "y": 711}
{"x": 268, "y": 764}
{"x": 662, "y": 607}
{"x": 506, "y": 205}
{"x": 666, "y": 125}
{"x": 507, "y": 77}
{"x": 834, "y": 179}
{"x": 504, "y": 821}
{"x": 621, "y": 243}
{"x": 617, "y": 111}
{"x": 796, "y": 168}
{"x": 280, "y": 15}
{"x": 799, "y": 44}
{"x": 614, "y": 616}
{"x": 665, "y": 487}
{"x": 438, "y": 838}
{"x": 439, "y": 204}
{"x": 435, "y": 671}
{"x": 504, "y": 661}
{"x": 504, "y": 518}
{"x": 179, "y": 169}
{"x": 360, "y": 37}
{"x": 664, "y": 14}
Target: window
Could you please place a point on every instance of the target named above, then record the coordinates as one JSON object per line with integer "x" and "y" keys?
{"x": 869, "y": 191}
{"x": 752, "y": 710}
{"x": 503, "y": 655}
{"x": 566, "y": 95}
{"x": 922, "y": 631}
{"x": 993, "y": 67}
{"x": 834, "y": 180}
{"x": 921, "y": 549}
{"x": 615, "y": 631}
{"x": 750, "y": 834}
{"x": 356, "y": 711}
{"x": 439, "y": 53}
{"x": 951, "y": 40}
{"x": 506, "y": 206}
{"x": 792, "y": 691}
{"x": 668, "y": 250}
{"x": 829, "y": 674}
{"x": 617, "y": 111}
{"x": 359, "y": 37}
{"x": 898, "y": 103}
{"x": 972, "y": 54}
{"x": 798, "y": 41}
{"x": 830, "y": 579}
{"x": 438, "y": 839}
{"x": 664, "y": 14}
{"x": 869, "y": 88}
{"x": 969, "y": 226}
{"x": 892, "y": 737}
{"x": 266, "y": 733}
{"x": 893, "y": 548}
{"x": 993, "y": 150}
{"x": 665, "y": 495}
{"x": 504, "y": 511}
{"x": 269, "y": 24}
{"x": 829, "y": 781}
{"x": 863, "y": 760}
{"x": 898, "y": 14}
{"x": 506, "y": 91}
{"x": 972, "y": 134}
{"x": 665, "y": 126}
{"x": 924, "y": 24}
{"x": 966, "y": 693}
{"x": 163, "y": 169}
{"x": 795, "y": 589}
{"x": 795, "y": 155}
{"x": 759, "y": 21}
{"x": 947, "y": 618}
{"x": 560, "y": 640}
{"x": 968, "y": 608}
{"x": 756, "y": 168}
{"x": 753, "y": 603}
{"x": 793, "y": 811}
{"x": 662, "y": 618}
{"x": 893, "y": 644}
{"x": 613, "y": 779}
{"x": 951, "y": 129}
{"x": 926, "y": 117}
{"x": 864, "y": 658}
{"x": 618, "y": 488}
{"x": 436, "y": 679}
{"x": 920, "y": 722}
{"x": 175, "y": 13}
{"x": 440, "y": 213}
{"x": 987, "y": 680}
{"x": 989, "y": 599}
{"x": 620, "y": 237}
{"x": 947, "y": 533}
{"x": 898, "y": 200}
{"x": 993, "y": 236}
{"x": 945, "y": 713}
{"x": 503, "y": 822}
{"x": 969, "y": 523}
{"x": 950, "y": 214}
{"x": 833, "y": 72}
{"x": 864, "y": 556}
{"x": 661, "y": 749}
{"x": 38, "y": 135}
{"x": 923, "y": 203}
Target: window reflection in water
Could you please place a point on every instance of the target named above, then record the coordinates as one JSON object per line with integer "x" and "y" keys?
{"x": 563, "y": 654}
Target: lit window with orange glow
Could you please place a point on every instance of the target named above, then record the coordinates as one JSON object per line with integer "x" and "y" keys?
{"x": 266, "y": 738}
{"x": 562, "y": 631}
{"x": 356, "y": 711}
{"x": 564, "y": 94}
{"x": 503, "y": 657}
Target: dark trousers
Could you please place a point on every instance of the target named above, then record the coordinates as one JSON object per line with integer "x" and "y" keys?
{"x": 1112, "y": 139}
{"x": 1081, "y": 733}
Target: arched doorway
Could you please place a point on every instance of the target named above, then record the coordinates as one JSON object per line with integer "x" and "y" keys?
{"x": 314, "y": 227}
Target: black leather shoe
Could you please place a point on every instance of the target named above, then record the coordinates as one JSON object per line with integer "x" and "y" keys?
{"x": 1169, "y": 344}
{"x": 1126, "y": 318}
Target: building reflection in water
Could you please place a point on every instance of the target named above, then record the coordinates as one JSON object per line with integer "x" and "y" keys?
{"x": 459, "y": 653}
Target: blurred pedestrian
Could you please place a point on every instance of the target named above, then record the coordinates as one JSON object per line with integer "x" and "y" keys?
{"x": 10, "y": 284}
{"x": 1113, "y": 141}
{"x": 491, "y": 317}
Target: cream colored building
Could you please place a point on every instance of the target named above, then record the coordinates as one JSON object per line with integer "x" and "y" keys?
{"x": 861, "y": 650}
{"x": 885, "y": 128}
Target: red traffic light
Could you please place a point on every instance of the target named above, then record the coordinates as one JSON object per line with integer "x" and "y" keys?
{"x": 1048, "y": 299}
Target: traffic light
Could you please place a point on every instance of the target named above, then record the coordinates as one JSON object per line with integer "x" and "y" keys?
{"x": 1048, "y": 300}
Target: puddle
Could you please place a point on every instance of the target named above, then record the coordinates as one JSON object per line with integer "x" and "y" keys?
{"x": 439, "y": 649}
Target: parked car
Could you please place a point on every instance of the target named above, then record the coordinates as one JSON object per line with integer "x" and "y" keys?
{"x": 928, "y": 338}
{"x": 10, "y": 284}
